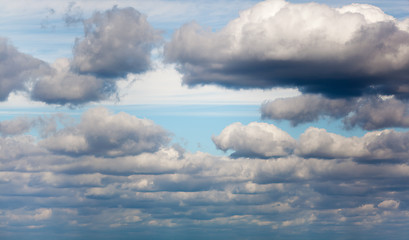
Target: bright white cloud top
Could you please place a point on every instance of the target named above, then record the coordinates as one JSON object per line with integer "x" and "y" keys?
{"x": 85, "y": 162}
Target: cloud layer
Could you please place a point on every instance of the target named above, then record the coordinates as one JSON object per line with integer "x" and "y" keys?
{"x": 280, "y": 44}
{"x": 111, "y": 189}
{"x": 369, "y": 113}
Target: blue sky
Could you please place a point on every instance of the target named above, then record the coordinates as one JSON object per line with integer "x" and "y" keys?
{"x": 204, "y": 119}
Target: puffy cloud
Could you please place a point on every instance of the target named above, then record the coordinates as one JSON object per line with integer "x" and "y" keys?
{"x": 306, "y": 108}
{"x": 368, "y": 112}
{"x": 16, "y": 69}
{"x": 385, "y": 145}
{"x": 279, "y": 44}
{"x": 255, "y": 139}
{"x": 265, "y": 140}
{"x": 102, "y": 133}
{"x": 389, "y": 204}
{"x": 62, "y": 86}
{"x": 15, "y": 126}
{"x": 109, "y": 49}
{"x": 375, "y": 113}
{"x": 167, "y": 190}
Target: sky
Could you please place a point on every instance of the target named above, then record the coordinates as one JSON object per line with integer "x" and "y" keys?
{"x": 186, "y": 119}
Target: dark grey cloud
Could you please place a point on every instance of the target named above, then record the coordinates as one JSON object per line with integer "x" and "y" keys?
{"x": 104, "y": 134}
{"x": 368, "y": 112}
{"x": 279, "y": 44}
{"x": 16, "y": 69}
{"x": 109, "y": 49}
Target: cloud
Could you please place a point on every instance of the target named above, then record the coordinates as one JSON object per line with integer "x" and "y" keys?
{"x": 112, "y": 187}
{"x": 109, "y": 49}
{"x": 279, "y": 44}
{"x": 389, "y": 204}
{"x": 265, "y": 140}
{"x": 368, "y": 112}
{"x": 102, "y": 133}
{"x": 376, "y": 113}
{"x": 255, "y": 139}
{"x": 15, "y": 126}
{"x": 16, "y": 69}
{"x": 378, "y": 145}
{"x": 62, "y": 86}
{"x": 306, "y": 108}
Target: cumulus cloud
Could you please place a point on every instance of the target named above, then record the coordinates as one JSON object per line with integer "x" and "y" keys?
{"x": 106, "y": 185}
{"x": 266, "y": 141}
{"x": 109, "y": 49}
{"x": 368, "y": 112}
{"x": 280, "y": 44}
{"x": 306, "y": 108}
{"x": 62, "y": 86}
{"x": 255, "y": 139}
{"x": 16, "y": 69}
{"x": 15, "y": 126}
{"x": 103, "y": 133}
{"x": 377, "y": 145}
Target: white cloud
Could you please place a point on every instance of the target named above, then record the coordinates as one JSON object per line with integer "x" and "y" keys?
{"x": 255, "y": 139}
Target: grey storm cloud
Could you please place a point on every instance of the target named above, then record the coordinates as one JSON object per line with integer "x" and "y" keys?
{"x": 368, "y": 112}
{"x": 16, "y": 69}
{"x": 102, "y": 133}
{"x": 116, "y": 42}
{"x": 280, "y": 44}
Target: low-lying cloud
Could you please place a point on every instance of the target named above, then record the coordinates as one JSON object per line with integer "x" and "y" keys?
{"x": 324, "y": 183}
{"x": 102, "y": 133}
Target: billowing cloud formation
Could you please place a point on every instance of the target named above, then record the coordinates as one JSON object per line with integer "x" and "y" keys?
{"x": 102, "y": 133}
{"x": 279, "y": 44}
{"x": 368, "y": 113}
{"x": 16, "y": 69}
{"x": 266, "y": 140}
{"x": 163, "y": 191}
{"x": 116, "y": 42}
{"x": 255, "y": 139}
